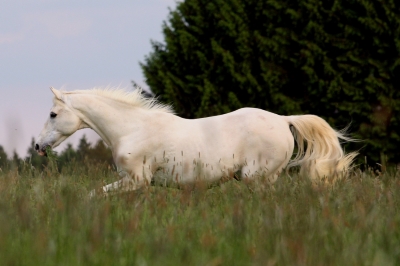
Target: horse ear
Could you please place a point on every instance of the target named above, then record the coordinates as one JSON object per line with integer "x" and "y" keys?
{"x": 58, "y": 94}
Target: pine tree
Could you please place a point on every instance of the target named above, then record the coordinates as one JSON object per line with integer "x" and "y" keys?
{"x": 338, "y": 59}
{"x": 101, "y": 153}
{"x": 4, "y": 163}
{"x": 83, "y": 148}
{"x": 16, "y": 162}
{"x": 67, "y": 156}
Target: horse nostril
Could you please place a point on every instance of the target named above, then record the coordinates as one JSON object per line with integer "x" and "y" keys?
{"x": 37, "y": 147}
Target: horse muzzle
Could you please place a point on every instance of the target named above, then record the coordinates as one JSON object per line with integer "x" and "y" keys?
{"x": 41, "y": 151}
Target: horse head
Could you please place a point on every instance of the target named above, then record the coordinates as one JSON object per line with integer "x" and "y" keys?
{"x": 62, "y": 123}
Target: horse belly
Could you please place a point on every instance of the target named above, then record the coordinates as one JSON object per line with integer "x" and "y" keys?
{"x": 186, "y": 171}
{"x": 220, "y": 147}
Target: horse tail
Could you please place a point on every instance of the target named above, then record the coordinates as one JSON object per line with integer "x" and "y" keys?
{"x": 319, "y": 153}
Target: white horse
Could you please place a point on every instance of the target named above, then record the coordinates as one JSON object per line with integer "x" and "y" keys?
{"x": 146, "y": 137}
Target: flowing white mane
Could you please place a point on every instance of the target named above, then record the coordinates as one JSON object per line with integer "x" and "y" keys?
{"x": 134, "y": 98}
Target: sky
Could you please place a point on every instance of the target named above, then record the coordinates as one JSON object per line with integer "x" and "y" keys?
{"x": 68, "y": 45}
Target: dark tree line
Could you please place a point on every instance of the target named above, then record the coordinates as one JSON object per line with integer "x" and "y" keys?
{"x": 85, "y": 153}
{"x": 338, "y": 59}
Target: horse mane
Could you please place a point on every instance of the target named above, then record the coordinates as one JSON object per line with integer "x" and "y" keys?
{"x": 134, "y": 98}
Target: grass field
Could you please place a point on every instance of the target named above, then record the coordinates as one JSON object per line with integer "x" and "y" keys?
{"x": 46, "y": 218}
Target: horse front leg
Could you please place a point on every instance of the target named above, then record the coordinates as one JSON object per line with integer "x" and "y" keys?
{"x": 125, "y": 184}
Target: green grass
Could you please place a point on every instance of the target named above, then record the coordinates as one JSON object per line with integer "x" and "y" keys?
{"x": 46, "y": 218}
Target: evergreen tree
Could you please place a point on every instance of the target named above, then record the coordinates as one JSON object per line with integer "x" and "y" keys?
{"x": 101, "y": 153}
{"x": 67, "y": 156}
{"x": 83, "y": 148}
{"x": 16, "y": 162}
{"x": 4, "y": 163}
{"x": 338, "y": 59}
{"x": 85, "y": 152}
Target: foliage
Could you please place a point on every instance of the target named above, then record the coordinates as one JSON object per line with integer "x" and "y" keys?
{"x": 85, "y": 153}
{"x": 338, "y": 59}
{"x": 47, "y": 219}
{"x": 3, "y": 158}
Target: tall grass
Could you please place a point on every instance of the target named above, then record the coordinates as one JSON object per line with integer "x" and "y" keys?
{"x": 46, "y": 218}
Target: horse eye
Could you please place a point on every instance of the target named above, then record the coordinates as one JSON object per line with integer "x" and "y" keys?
{"x": 52, "y": 115}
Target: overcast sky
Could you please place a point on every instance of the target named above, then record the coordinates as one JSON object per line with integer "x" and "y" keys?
{"x": 71, "y": 45}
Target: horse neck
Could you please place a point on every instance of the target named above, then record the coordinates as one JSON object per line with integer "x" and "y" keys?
{"x": 106, "y": 117}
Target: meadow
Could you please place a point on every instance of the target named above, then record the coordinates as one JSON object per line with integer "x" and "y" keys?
{"x": 47, "y": 218}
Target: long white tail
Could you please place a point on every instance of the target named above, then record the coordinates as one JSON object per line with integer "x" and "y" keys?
{"x": 319, "y": 153}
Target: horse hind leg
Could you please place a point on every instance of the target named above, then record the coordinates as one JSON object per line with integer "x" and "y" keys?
{"x": 264, "y": 168}
{"x": 253, "y": 170}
